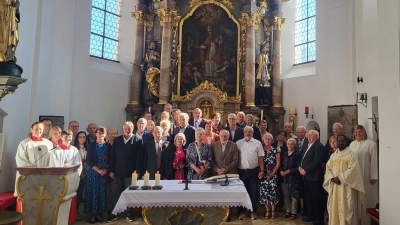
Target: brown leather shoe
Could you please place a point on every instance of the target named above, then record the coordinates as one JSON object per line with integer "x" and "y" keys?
{"x": 253, "y": 216}
{"x": 242, "y": 216}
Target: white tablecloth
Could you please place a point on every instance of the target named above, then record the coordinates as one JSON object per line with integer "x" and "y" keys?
{"x": 173, "y": 195}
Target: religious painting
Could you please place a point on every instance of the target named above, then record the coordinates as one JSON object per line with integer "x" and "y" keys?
{"x": 344, "y": 114}
{"x": 209, "y": 40}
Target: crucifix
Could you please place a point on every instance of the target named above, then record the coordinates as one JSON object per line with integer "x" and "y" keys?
{"x": 186, "y": 181}
{"x": 40, "y": 197}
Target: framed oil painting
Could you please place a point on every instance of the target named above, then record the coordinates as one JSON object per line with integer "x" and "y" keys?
{"x": 344, "y": 114}
{"x": 209, "y": 43}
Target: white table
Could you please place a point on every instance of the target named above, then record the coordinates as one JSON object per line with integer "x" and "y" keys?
{"x": 173, "y": 195}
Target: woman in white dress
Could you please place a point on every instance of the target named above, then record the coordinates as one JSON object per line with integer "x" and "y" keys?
{"x": 367, "y": 155}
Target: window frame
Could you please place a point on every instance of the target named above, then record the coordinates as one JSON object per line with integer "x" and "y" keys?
{"x": 104, "y": 36}
{"x": 307, "y": 42}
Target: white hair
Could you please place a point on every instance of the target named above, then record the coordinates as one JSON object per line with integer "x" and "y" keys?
{"x": 128, "y": 123}
{"x": 315, "y": 133}
{"x": 338, "y": 124}
{"x": 248, "y": 128}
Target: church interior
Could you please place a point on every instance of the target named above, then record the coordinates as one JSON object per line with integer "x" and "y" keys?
{"x": 220, "y": 56}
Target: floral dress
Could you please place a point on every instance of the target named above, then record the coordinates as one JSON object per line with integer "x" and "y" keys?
{"x": 269, "y": 188}
{"x": 96, "y": 185}
{"x": 192, "y": 157}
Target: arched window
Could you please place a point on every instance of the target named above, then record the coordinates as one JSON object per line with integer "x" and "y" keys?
{"x": 304, "y": 34}
{"x": 105, "y": 29}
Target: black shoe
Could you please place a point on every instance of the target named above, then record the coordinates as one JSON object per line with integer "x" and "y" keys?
{"x": 307, "y": 219}
{"x": 111, "y": 218}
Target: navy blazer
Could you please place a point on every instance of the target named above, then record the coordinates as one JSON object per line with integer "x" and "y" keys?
{"x": 290, "y": 163}
{"x": 150, "y": 159}
{"x": 91, "y": 157}
{"x": 239, "y": 134}
{"x": 145, "y": 137}
{"x": 202, "y": 121}
{"x": 313, "y": 162}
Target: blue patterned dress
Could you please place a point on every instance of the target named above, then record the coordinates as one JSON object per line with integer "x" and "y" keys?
{"x": 96, "y": 185}
{"x": 269, "y": 188}
{"x": 192, "y": 157}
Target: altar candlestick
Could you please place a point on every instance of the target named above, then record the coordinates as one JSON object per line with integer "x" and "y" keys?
{"x": 134, "y": 178}
{"x": 292, "y": 111}
{"x": 262, "y": 114}
{"x": 306, "y": 110}
{"x": 146, "y": 179}
{"x": 157, "y": 176}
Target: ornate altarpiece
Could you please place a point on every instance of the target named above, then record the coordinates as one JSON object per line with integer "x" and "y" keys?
{"x": 205, "y": 53}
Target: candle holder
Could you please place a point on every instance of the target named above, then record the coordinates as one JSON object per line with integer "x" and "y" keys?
{"x": 133, "y": 187}
{"x": 307, "y": 113}
{"x": 146, "y": 187}
{"x": 157, "y": 187}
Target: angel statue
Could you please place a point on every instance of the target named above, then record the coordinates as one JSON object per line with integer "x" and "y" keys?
{"x": 263, "y": 76}
{"x": 9, "y": 19}
{"x": 151, "y": 67}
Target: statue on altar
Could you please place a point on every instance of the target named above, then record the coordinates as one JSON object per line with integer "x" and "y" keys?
{"x": 262, "y": 96}
{"x": 9, "y": 19}
{"x": 151, "y": 68}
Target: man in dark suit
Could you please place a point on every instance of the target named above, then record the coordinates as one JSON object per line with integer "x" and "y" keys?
{"x": 152, "y": 153}
{"x": 236, "y": 133}
{"x": 301, "y": 146}
{"x": 249, "y": 120}
{"x": 337, "y": 129}
{"x": 312, "y": 168}
{"x": 124, "y": 159}
{"x": 225, "y": 157}
{"x": 240, "y": 119}
{"x": 141, "y": 133}
{"x": 196, "y": 121}
{"x": 185, "y": 128}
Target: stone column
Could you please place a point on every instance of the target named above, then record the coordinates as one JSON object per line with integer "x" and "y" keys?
{"x": 138, "y": 49}
{"x": 165, "y": 65}
{"x": 276, "y": 68}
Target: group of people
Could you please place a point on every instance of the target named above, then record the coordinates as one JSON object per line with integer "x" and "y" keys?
{"x": 179, "y": 147}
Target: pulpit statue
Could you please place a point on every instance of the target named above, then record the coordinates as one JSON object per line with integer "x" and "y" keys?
{"x": 263, "y": 77}
{"x": 151, "y": 68}
{"x": 9, "y": 19}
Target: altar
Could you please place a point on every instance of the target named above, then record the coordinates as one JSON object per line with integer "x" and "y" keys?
{"x": 203, "y": 203}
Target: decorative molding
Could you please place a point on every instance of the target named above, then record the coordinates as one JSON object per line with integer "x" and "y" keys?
{"x": 229, "y": 3}
{"x": 278, "y": 21}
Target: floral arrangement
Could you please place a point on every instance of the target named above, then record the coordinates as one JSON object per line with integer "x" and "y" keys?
{"x": 104, "y": 164}
{"x": 178, "y": 163}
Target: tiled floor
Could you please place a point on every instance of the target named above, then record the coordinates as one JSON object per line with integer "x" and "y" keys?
{"x": 279, "y": 220}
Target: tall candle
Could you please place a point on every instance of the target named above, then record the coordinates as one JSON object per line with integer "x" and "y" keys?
{"x": 306, "y": 110}
{"x": 146, "y": 179}
{"x": 262, "y": 114}
{"x": 292, "y": 111}
{"x": 157, "y": 176}
{"x": 134, "y": 178}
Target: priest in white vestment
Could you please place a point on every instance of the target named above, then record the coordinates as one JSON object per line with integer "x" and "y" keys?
{"x": 344, "y": 184}
{"x": 367, "y": 154}
{"x": 66, "y": 154}
{"x": 34, "y": 150}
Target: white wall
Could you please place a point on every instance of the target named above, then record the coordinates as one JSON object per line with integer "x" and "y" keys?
{"x": 63, "y": 80}
{"x": 353, "y": 37}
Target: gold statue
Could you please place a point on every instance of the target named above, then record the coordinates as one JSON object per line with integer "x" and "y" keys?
{"x": 9, "y": 19}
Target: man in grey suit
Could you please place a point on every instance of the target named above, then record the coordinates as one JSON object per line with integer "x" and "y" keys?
{"x": 225, "y": 157}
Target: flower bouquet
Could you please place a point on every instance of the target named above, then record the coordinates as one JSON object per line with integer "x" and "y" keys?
{"x": 178, "y": 164}
{"x": 270, "y": 168}
{"x": 104, "y": 164}
{"x": 202, "y": 164}
{"x": 165, "y": 145}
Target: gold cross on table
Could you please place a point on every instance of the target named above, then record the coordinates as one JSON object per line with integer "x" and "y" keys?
{"x": 41, "y": 197}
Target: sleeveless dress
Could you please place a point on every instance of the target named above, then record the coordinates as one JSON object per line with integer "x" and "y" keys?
{"x": 96, "y": 185}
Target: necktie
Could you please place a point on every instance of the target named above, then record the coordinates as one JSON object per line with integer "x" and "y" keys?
{"x": 158, "y": 155}
{"x": 195, "y": 124}
{"x": 300, "y": 143}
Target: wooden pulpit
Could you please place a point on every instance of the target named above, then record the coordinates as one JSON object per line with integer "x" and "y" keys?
{"x": 45, "y": 193}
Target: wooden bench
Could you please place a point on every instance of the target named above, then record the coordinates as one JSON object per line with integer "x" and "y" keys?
{"x": 6, "y": 200}
{"x": 374, "y": 215}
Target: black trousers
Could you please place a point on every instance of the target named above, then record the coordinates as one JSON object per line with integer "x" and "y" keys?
{"x": 79, "y": 192}
{"x": 314, "y": 195}
{"x": 250, "y": 181}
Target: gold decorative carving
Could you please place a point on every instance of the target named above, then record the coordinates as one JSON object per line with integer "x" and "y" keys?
{"x": 61, "y": 196}
{"x": 278, "y": 21}
{"x": 149, "y": 21}
{"x": 175, "y": 17}
{"x": 255, "y": 19}
{"x": 138, "y": 16}
{"x": 134, "y": 102}
{"x": 229, "y": 3}
{"x": 244, "y": 20}
{"x": 206, "y": 86}
{"x": 153, "y": 80}
{"x": 189, "y": 209}
{"x": 40, "y": 198}
{"x": 250, "y": 104}
{"x": 278, "y": 105}
{"x": 19, "y": 193}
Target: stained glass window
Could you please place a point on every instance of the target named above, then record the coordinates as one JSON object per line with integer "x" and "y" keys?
{"x": 105, "y": 29}
{"x": 304, "y": 35}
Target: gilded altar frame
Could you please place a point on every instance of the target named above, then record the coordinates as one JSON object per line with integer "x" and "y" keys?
{"x": 238, "y": 54}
